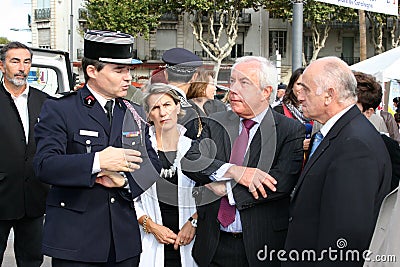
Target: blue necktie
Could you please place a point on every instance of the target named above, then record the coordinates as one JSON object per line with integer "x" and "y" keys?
{"x": 317, "y": 140}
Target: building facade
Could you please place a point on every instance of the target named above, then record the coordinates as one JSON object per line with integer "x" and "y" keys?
{"x": 259, "y": 35}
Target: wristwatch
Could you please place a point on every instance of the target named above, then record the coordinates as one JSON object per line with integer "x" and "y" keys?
{"x": 193, "y": 221}
{"x": 126, "y": 182}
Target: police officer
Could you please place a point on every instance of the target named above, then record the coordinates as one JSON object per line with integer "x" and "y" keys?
{"x": 90, "y": 217}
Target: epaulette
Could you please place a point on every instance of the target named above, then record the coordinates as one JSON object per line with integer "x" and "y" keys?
{"x": 67, "y": 94}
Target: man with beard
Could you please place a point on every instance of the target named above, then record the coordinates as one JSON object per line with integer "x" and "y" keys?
{"x": 22, "y": 195}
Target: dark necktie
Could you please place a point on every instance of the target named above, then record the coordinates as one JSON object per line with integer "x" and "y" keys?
{"x": 109, "y": 108}
{"x": 226, "y": 213}
{"x": 317, "y": 140}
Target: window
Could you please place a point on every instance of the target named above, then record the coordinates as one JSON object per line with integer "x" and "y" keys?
{"x": 44, "y": 38}
{"x": 237, "y": 51}
{"x": 277, "y": 41}
{"x": 43, "y": 4}
{"x": 308, "y": 47}
{"x": 165, "y": 39}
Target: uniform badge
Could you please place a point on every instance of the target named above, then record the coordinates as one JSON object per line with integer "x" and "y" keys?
{"x": 184, "y": 102}
{"x": 89, "y": 100}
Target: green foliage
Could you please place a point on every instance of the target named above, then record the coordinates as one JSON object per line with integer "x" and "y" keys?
{"x": 314, "y": 11}
{"x": 136, "y": 17}
{"x": 4, "y": 40}
{"x": 319, "y": 17}
{"x": 195, "y": 6}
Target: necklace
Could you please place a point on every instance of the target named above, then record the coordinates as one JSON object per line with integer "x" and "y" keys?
{"x": 168, "y": 173}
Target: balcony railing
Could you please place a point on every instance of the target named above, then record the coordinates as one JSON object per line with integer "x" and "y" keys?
{"x": 201, "y": 53}
{"x": 348, "y": 60}
{"x": 244, "y": 18}
{"x": 169, "y": 17}
{"x": 42, "y": 14}
{"x": 351, "y": 60}
{"x": 337, "y": 24}
{"x": 156, "y": 54}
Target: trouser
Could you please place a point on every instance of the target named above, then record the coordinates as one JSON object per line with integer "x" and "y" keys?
{"x": 27, "y": 240}
{"x": 131, "y": 262}
{"x": 230, "y": 251}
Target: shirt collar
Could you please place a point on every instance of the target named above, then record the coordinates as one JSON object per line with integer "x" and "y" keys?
{"x": 100, "y": 98}
{"x": 329, "y": 124}
{"x": 258, "y": 119}
{"x": 24, "y": 93}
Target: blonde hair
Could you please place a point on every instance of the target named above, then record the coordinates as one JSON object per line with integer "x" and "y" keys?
{"x": 198, "y": 87}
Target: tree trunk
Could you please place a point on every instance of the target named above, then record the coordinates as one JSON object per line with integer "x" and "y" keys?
{"x": 210, "y": 40}
{"x": 319, "y": 39}
{"x": 363, "y": 35}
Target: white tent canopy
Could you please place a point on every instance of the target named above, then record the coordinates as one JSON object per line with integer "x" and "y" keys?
{"x": 384, "y": 67}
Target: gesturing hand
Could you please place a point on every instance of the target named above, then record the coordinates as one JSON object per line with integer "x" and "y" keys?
{"x": 252, "y": 178}
{"x": 119, "y": 159}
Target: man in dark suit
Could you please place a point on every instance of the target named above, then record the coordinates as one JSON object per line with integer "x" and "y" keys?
{"x": 22, "y": 195}
{"x": 336, "y": 201}
{"x": 270, "y": 167}
{"x": 90, "y": 216}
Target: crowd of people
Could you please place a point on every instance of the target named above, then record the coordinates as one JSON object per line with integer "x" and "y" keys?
{"x": 277, "y": 176}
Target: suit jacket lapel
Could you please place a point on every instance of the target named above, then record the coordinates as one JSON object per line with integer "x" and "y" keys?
{"x": 264, "y": 138}
{"x": 34, "y": 107}
{"x": 325, "y": 143}
{"x": 232, "y": 127}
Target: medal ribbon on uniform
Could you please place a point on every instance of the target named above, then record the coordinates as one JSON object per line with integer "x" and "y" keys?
{"x": 137, "y": 118}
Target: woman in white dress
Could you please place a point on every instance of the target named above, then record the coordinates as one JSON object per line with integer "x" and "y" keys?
{"x": 167, "y": 210}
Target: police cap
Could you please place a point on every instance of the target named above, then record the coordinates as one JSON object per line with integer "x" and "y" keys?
{"x": 181, "y": 60}
{"x": 109, "y": 47}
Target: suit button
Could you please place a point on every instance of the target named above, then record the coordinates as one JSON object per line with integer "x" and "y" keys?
{"x": 62, "y": 204}
{"x": 112, "y": 200}
{"x": 290, "y": 219}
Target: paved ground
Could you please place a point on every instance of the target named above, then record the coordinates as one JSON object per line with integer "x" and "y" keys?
{"x": 9, "y": 260}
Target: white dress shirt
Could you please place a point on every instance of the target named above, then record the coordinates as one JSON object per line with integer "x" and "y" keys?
{"x": 102, "y": 101}
{"x": 329, "y": 124}
{"x": 21, "y": 102}
{"x": 236, "y": 226}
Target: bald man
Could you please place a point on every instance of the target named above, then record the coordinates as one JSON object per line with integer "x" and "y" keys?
{"x": 336, "y": 201}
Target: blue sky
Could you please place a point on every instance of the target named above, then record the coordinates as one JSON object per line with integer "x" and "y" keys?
{"x": 14, "y": 14}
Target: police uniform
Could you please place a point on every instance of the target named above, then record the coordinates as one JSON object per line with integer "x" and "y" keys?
{"x": 183, "y": 62}
{"x": 86, "y": 223}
